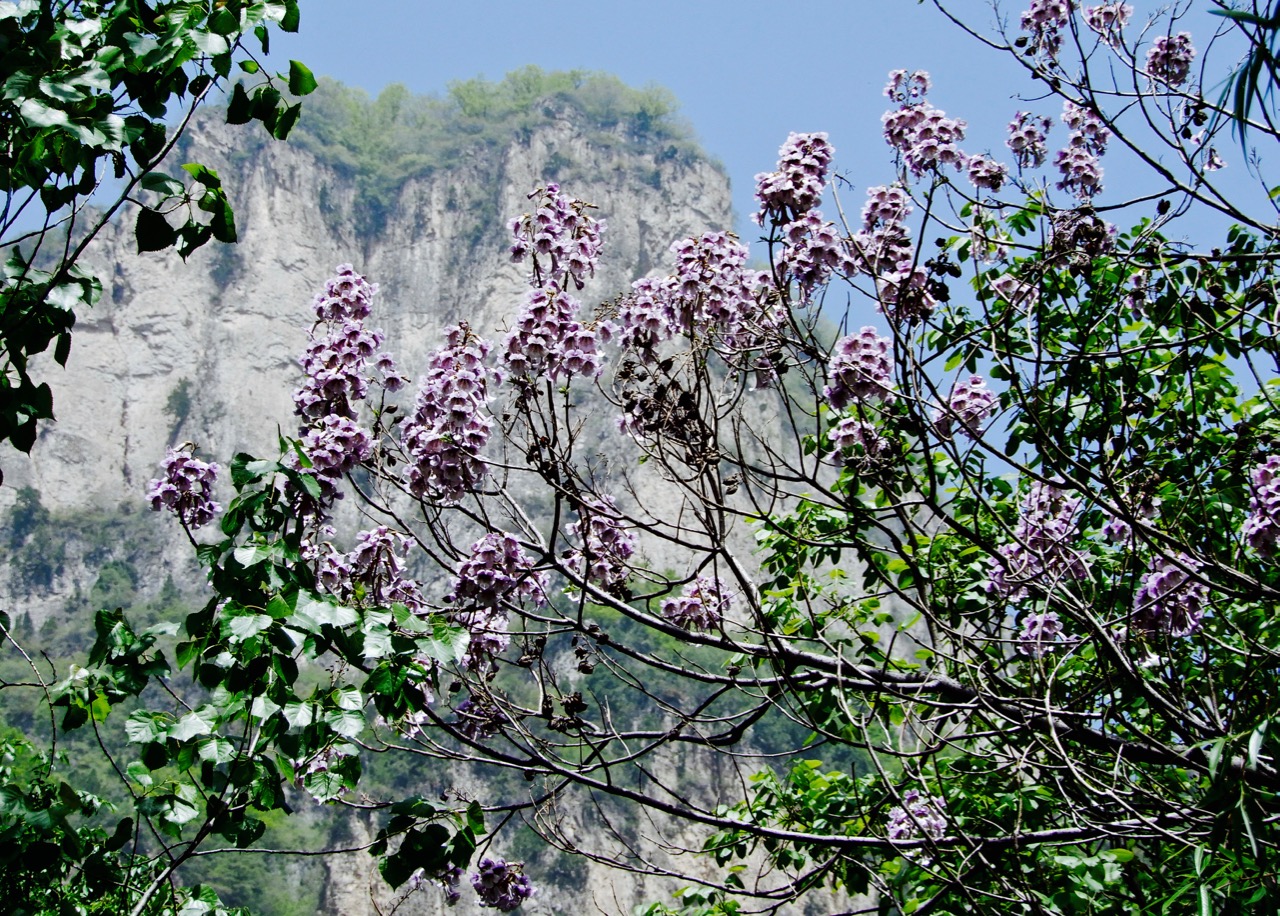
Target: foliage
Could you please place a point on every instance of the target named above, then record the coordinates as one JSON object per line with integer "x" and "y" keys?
{"x": 88, "y": 94}
{"x": 398, "y": 135}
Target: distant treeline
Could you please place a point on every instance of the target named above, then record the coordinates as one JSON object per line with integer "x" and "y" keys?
{"x": 381, "y": 142}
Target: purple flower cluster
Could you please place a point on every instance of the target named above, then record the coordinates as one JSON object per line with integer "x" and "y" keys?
{"x": 1040, "y": 630}
{"x": 987, "y": 174}
{"x": 797, "y": 185}
{"x": 335, "y": 445}
{"x": 861, "y": 369}
{"x": 346, "y": 295}
{"x": 701, "y": 606}
{"x": 1088, "y": 131}
{"x": 186, "y": 488}
{"x": 1262, "y": 528}
{"x": 501, "y": 884}
{"x": 548, "y": 340}
{"x": 919, "y": 814}
{"x": 924, "y": 136}
{"x": 1108, "y": 20}
{"x": 558, "y": 229}
{"x": 341, "y": 351}
{"x": 1015, "y": 292}
{"x": 1044, "y": 22}
{"x": 1027, "y": 134}
{"x": 1081, "y": 173}
{"x": 814, "y": 250}
{"x": 373, "y": 572}
{"x": 495, "y": 574}
{"x": 712, "y": 295}
{"x": 607, "y": 547}
{"x": 857, "y": 443}
{"x": 448, "y": 428}
{"x": 1169, "y": 598}
{"x": 971, "y": 403}
{"x": 1169, "y": 59}
{"x": 884, "y": 241}
{"x": 903, "y": 295}
{"x": 1041, "y": 553}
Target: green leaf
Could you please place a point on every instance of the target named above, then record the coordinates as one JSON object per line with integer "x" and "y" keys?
{"x": 301, "y": 80}
{"x": 347, "y": 722}
{"x": 153, "y": 231}
{"x": 327, "y": 612}
{"x": 249, "y": 625}
{"x": 348, "y": 698}
{"x": 191, "y": 725}
{"x": 299, "y": 715}
{"x": 289, "y": 23}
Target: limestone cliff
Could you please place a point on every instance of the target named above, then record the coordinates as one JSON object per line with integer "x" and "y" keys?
{"x": 207, "y": 350}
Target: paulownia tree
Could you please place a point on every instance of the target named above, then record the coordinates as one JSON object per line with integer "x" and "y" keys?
{"x": 1006, "y": 639}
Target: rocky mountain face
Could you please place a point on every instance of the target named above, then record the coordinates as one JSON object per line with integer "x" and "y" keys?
{"x": 207, "y": 350}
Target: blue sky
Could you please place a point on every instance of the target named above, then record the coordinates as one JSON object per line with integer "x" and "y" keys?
{"x": 745, "y": 72}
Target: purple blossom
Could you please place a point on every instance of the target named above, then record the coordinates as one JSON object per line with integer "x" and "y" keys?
{"x": 1040, "y": 554}
{"x": 971, "y": 404}
{"x": 1170, "y": 599}
{"x": 884, "y": 242}
{"x": 711, "y": 297}
{"x": 903, "y": 295}
{"x": 1170, "y": 57}
{"x": 607, "y": 547}
{"x": 919, "y": 814}
{"x": 346, "y": 296}
{"x": 987, "y": 174}
{"x": 1081, "y": 173}
{"x": 701, "y": 606}
{"x": 185, "y": 488}
{"x": 796, "y": 186}
{"x": 857, "y": 443}
{"x": 336, "y": 445}
{"x": 342, "y": 355}
{"x": 1088, "y": 131}
{"x": 814, "y": 250}
{"x": 559, "y": 231}
{"x": 495, "y": 575}
{"x": 925, "y": 137}
{"x": 1044, "y": 22}
{"x": 548, "y": 341}
{"x": 1027, "y": 133}
{"x": 373, "y": 573}
{"x": 1262, "y": 527}
{"x": 501, "y": 884}
{"x": 1040, "y": 630}
{"x": 1016, "y": 292}
{"x": 1116, "y": 530}
{"x": 1108, "y": 20}
{"x": 906, "y": 88}
{"x": 861, "y": 369}
{"x": 449, "y": 428}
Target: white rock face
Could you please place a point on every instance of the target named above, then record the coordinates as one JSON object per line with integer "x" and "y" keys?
{"x": 233, "y": 319}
